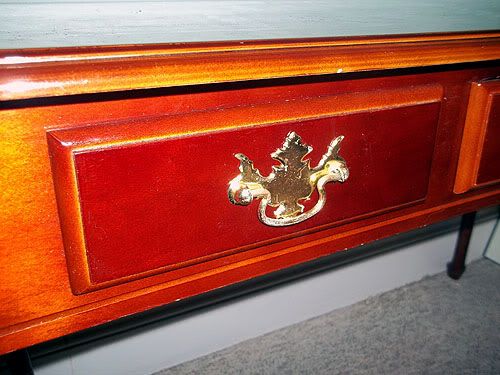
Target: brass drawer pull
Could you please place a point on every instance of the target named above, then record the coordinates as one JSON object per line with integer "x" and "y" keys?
{"x": 289, "y": 183}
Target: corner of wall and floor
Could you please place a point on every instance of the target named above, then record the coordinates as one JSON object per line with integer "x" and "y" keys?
{"x": 171, "y": 341}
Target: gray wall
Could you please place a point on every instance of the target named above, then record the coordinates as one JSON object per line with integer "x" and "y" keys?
{"x": 38, "y": 23}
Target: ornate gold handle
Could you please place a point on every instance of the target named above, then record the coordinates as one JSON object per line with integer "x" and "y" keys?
{"x": 289, "y": 183}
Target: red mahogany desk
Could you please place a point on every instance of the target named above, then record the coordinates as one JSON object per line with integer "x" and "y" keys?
{"x": 115, "y": 163}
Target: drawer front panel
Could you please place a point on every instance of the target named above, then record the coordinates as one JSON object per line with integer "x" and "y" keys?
{"x": 138, "y": 197}
{"x": 489, "y": 167}
{"x": 480, "y": 149}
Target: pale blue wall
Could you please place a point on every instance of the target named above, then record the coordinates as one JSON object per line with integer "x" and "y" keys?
{"x": 37, "y": 23}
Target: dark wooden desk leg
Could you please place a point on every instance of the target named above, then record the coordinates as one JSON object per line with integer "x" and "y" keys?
{"x": 457, "y": 265}
{"x": 19, "y": 362}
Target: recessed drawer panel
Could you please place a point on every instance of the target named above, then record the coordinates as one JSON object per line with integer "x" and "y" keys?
{"x": 478, "y": 164}
{"x": 149, "y": 195}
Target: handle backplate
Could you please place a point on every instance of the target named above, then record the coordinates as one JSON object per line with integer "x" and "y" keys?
{"x": 289, "y": 183}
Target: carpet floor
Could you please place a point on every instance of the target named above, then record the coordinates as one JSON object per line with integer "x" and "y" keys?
{"x": 433, "y": 326}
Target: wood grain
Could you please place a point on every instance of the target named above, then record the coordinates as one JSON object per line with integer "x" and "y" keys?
{"x": 489, "y": 167}
{"x": 37, "y": 301}
{"x": 478, "y": 163}
{"x": 126, "y": 209}
{"x": 28, "y": 74}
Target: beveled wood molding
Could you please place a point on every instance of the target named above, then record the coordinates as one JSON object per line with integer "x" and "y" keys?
{"x": 403, "y": 131}
{"x": 34, "y": 73}
{"x": 67, "y": 146}
{"x": 479, "y": 108}
{"x": 77, "y": 318}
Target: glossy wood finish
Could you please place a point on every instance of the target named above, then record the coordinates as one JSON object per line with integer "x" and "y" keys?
{"x": 478, "y": 164}
{"x": 456, "y": 267}
{"x": 30, "y": 73}
{"x": 37, "y": 301}
{"x": 489, "y": 167}
{"x": 134, "y": 203}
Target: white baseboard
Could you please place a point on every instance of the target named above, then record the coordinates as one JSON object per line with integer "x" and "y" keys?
{"x": 493, "y": 249}
{"x": 175, "y": 340}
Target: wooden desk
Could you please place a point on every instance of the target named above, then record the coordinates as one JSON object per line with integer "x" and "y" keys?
{"x": 116, "y": 163}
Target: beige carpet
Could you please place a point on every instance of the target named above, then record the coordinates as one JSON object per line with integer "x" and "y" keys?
{"x": 434, "y": 326}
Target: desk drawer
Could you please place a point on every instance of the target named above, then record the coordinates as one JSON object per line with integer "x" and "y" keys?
{"x": 149, "y": 195}
{"x": 478, "y": 165}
